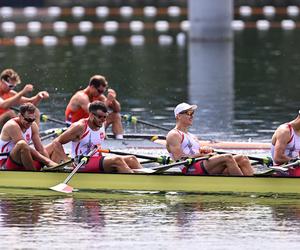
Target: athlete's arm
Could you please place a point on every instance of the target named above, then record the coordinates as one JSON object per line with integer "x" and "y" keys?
{"x": 174, "y": 145}
{"x": 36, "y": 140}
{"x": 282, "y": 137}
{"x": 16, "y": 99}
{"x": 112, "y": 102}
{"x": 35, "y": 99}
{"x": 73, "y": 133}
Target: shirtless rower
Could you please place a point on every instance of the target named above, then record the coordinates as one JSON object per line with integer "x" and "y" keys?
{"x": 78, "y": 105}
{"x": 15, "y": 137}
{"x": 182, "y": 144}
{"x": 9, "y": 79}
{"x": 84, "y": 135}
{"x": 285, "y": 145}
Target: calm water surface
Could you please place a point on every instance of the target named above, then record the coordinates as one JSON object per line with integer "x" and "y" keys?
{"x": 244, "y": 90}
{"x": 141, "y": 221}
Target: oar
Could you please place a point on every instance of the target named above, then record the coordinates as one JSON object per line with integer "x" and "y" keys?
{"x": 55, "y": 132}
{"x": 45, "y": 168}
{"x": 160, "y": 159}
{"x": 281, "y": 168}
{"x": 140, "y": 136}
{"x": 263, "y": 160}
{"x": 45, "y": 118}
{"x": 188, "y": 161}
{"x": 134, "y": 120}
{"x": 64, "y": 187}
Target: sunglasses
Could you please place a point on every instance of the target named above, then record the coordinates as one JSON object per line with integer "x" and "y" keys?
{"x": 29, "y": 120}
{"x": 99, "y": 116}
{"x": 9, "y": 85}
{"x": 189, "y": 112}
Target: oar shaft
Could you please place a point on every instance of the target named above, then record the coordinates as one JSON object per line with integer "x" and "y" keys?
{"x": 81, "y": 163}
{"x": 188, "y": 161}
{"x": 45, "y": 118}
{"x": 265, "y": 160}
{"x": 160, "y": 159}
{"x": 134, "y": 119}
{"x": 124, "y": 153}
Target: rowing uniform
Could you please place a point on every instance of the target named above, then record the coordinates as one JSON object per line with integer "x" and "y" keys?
{"x": 191, "y": 146}
{"x": 6, "y": 162}
{"x": 87, "y": 142}
{"x": 74, "y": 116}
{"x": 4, "y": 97}
{"x": 292, "y": 150}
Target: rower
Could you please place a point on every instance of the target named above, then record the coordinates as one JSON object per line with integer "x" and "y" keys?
{"x": 285, "y": 145}
{"x": 78, "y": 104}
{"x": 182, "y": 144}
{"x": 9, "y": 79}
{"x": 15, "y": 137}
{"x": 84, "y": 135}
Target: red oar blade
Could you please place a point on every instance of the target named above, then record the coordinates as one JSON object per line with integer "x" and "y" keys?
{"x": 63, "y": 188}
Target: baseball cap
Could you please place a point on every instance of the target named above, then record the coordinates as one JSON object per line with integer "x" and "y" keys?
{"x": 183, "y": 107}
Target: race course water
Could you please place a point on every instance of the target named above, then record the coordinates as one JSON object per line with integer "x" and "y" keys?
{"x": 244, "y": 90}
{"x": 41, "y": 220}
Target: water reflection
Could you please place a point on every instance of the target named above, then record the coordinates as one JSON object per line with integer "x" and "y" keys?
{"x": 139, "y": 221}
{"x": 211, "y": 85}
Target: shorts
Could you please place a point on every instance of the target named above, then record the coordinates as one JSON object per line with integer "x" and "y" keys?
{"x": 10, "y": 164}
{"x": 197, "y": 168}
{"x": 94, "y": 165}
{"x": 294, "y": 171}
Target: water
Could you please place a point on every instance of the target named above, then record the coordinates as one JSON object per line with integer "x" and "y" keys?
{"x": 244, "y": 91}
{"x": 141, "y": 221}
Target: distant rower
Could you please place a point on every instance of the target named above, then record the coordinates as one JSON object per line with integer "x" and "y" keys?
{"x": 79, "y": 104}
{"x": 9, "y": 79}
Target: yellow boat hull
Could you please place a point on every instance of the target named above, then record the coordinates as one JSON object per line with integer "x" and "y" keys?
{"x": 148, "y": 182}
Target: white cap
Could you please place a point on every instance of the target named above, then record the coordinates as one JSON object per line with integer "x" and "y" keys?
{"x": 183, "y": 107}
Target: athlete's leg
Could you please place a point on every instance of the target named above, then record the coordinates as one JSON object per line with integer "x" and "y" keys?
{"x": 132, "y": 162}
{"x": 116, "y": 121}
{"x": 244, "y": 164}
{"x": 222, "y": 164}
{"x": 116, "y": 163}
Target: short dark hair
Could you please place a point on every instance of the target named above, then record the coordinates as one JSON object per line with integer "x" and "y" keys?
{"x": 27, "y": 107}
{"x": 97, "y": 105}
{"x": 97, "y": 80}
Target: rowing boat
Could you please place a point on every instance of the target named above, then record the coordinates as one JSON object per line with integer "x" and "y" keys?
{"x": 167, "y": 182}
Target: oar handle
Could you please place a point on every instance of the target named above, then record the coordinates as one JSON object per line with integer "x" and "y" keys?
{"x": 45, "y": 118}
{"x": 83, "y": 161}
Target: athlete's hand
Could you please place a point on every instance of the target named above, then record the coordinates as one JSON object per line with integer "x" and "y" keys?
{"x": 111, "y": 94}
{"x": 28, "y": 88}
{"x": 206, "y": 150}
{"x": 43, "y": 94}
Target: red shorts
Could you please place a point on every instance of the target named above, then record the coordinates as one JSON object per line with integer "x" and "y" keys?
{"x": 294, "y": 171}
{"x": 10, "y": 164}
{"x": 94, "y": 165}
{"x": 197, "y": 168}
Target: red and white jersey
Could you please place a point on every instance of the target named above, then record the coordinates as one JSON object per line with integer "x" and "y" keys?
{"x": 293, "y": 147}
{"x": 189, "y": 144}
{"x": 7, "y": 146}
{"x": 88, "y": 141}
